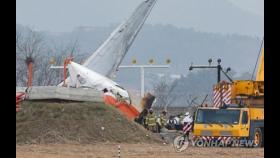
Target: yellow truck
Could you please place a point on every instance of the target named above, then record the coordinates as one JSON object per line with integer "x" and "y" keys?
{"x": 242, "y": 119}
{"x": 233, "y": 123}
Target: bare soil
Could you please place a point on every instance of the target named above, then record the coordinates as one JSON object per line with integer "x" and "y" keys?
{"x": 110, "y": 150}
{"x": 52, "y": 129}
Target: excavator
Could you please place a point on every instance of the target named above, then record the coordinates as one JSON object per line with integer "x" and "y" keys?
{"x": 240, "y": 120}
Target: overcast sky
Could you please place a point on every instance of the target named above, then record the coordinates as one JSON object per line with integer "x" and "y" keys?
{"x": 254, "y": 6}
{"x": 65, "y": 15}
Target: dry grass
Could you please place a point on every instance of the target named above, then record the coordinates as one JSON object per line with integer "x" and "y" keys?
{"x": 75, "y": 122}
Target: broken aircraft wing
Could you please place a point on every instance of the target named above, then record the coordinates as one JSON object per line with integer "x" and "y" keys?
{"x": 106, "y": 59}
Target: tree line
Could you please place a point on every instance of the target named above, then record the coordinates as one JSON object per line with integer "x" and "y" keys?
{"x": 34, "y": 45}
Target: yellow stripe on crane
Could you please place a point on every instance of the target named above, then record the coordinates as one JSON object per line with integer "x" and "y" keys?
{"x": 260, "y": 72}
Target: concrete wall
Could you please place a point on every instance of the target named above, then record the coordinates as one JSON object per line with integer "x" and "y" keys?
{"x": 56, "y": 92}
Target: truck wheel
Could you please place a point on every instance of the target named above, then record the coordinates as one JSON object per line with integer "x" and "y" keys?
{"x": 258, "y": 137}
{"x": 180, "y": 143}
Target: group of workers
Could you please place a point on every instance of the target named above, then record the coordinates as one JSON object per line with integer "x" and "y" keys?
{"x": 156, "y": 123}
{"x": 178, "y": 122}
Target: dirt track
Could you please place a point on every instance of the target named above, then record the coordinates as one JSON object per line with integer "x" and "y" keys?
{"x": 131, "y": 151}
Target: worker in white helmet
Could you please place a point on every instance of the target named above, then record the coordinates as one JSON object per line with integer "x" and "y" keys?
{"x": 187, "y": 118}
{"x": 187, "y": 123}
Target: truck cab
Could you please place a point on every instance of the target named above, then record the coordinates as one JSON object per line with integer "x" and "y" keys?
{"x": 232, "y": 122}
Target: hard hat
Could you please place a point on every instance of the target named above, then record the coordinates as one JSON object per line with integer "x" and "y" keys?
{"x": 187, "y": 113}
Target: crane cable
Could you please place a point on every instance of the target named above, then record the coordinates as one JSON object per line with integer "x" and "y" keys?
{"x": 257, "y": 59}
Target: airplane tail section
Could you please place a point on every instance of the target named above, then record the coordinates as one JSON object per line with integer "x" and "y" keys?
{"x": 97, "y": 71}
{"x": 106, "y": 59}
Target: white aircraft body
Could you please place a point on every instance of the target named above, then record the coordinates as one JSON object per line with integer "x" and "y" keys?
{"x": 81, "y": 76}
{"x": 98, "y": 70}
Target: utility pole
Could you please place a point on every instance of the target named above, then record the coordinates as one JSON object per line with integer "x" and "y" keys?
{"x": 219, "y": 70}
{"x": 218, "y": 67}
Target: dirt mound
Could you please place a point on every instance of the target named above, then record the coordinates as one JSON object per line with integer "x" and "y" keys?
{"x": 80, "y": 122}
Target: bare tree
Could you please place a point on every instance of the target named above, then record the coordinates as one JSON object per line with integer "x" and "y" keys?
{"x": 59, "y": 53}
{"x": 29, "y": 45}
{"x": 164, "y": 93}
{"x": 32, "y": 45}
{"x": 191, "y": 100}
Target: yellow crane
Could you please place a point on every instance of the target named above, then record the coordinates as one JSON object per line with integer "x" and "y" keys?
{"x": 260, "y": 72}
{"x": 243, "y": 119}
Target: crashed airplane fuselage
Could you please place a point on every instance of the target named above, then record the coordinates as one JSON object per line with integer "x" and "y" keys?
{"x": 102, "y": 65}
{"x": 82, "y": 77}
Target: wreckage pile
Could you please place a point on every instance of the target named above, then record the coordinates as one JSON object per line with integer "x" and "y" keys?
{"x": 47, "y": 122}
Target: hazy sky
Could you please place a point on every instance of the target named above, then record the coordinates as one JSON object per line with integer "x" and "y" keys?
{"x": 65, "y": 15}
{"x": 254, "y": 6}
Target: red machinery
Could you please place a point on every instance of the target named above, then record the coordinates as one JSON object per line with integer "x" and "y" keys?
{"x": 127, "y": 109}
{"x": 19, "y": 98}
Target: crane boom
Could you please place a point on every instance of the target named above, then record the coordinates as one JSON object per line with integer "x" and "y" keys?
{"x": 260, "y": 72}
